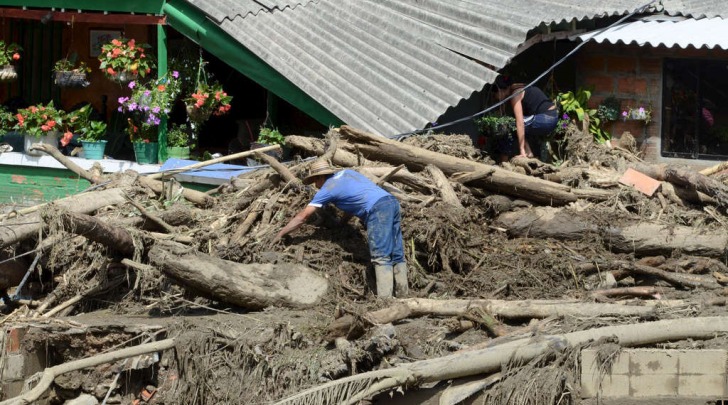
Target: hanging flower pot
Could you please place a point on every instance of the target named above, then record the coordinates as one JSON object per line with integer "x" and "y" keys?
{"x": 69, "y": 74}
{"x": 123, "y": 60}
{"x": 71, "y": 79}
{"x": 8, "y": 73}
{"x": 9, "y": 53}
{"x": 196, "y": 114}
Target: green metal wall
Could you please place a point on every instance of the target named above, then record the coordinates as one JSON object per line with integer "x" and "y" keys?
{"x": 27, "y": 186}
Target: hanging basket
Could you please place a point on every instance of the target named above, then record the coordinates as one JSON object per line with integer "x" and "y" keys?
{"x": 8, "y": 73}
{"x": 198, "y": 114}
{"x": 71, "y": 79}
{"x": 123, "y": 77}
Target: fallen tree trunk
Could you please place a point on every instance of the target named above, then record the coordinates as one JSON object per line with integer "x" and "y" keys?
{"x": 490, "y": 360}
{"x": 645, "y": 239}
{"x": 502, "y": 181}
{"x": 49, "y": 374}
{"x": 17, "y": 229}
{"x": 65, "y": 161}
{"x": 349, "y": 326}
{"x": 686, "y": 178}
{"x": 113, "y": 237}
{"x": 253, "y": 286}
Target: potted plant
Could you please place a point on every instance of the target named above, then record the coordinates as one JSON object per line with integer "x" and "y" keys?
{"x": 7, "y": 121}
{"x": 66, "y": 73}
{"x": 266, "y": 137}
{"x": 124, "y": 60}
{"x": 148, "y": 105}
{"x": 90, "y": 132}
{"x": 179, "y": 142}
{"x": 496, "y": 126}
{"x": 9, "y": 53}
{"x": 207, "y": 101}
{"x": 39, "y": 124}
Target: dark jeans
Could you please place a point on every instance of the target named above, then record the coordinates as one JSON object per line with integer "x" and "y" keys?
{"x": 537, "y": 129}
{"x": 384, "y": 232}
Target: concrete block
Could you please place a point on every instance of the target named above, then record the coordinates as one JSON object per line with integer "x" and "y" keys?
{"x": 702, "y": 386}
{"x": 652, "y": 362}
{"x": 702, "y": 362}
{"x": 14, "y": 367}
{"x": 649, "y": 373}
{"x": 612, "y": 386}
{"x": 653, "y": 385}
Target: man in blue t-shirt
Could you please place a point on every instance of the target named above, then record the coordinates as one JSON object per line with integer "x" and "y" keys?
{"x": 356, "y": 195}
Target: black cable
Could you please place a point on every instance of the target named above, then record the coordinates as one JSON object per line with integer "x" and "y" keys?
{"x": 405, "y": 135}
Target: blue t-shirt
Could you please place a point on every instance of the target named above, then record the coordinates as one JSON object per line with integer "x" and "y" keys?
{"x": 351, "y": 192}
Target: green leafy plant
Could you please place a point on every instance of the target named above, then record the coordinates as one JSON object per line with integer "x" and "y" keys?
{"x": 640, "y": 113}
{"x": 68, "y": 65}
{"x": 270, "y": 136}
{"x": 9, "y": 53}
{"x": 207, "y": 100}
{"x": 148, "y": 104}
{"x": 125, "y": 56}
{"x": 575, "y": 105}
{"x": 39, "y": 120}
{"x": 6, "y": 120}
{"x": 609, "y": 109}
{"x": 179, "y": 136}
{"x": 496, "y": 126}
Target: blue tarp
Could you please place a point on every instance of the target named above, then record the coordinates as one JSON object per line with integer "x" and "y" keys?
{"x": 220, "y": 171}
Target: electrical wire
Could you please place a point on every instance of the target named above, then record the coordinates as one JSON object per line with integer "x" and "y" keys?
{"x": 405, "y": 135}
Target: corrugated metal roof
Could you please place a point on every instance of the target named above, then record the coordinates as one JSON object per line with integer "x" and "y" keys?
{"x": 704, "y": 33}
{"x": 219, "y": 10}
{"x": 697, "y": 8}
{"x": 392, "y": 66}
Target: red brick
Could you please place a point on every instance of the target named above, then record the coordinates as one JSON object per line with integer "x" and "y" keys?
{"x": 640, "y": 181}
{"x": 592, "y": 63}
{"x": 622, "y": 64}
{"x": 650, "y": 66}
{"x": 600, "y": 83}
{"x": 632, "y": 85}
{"x": 13, "y": 342}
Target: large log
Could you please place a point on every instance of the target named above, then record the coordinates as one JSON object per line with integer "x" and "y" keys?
{"x": 416, "y": 159}
{"x": 686, "y": 178}
{"x": 17, "y": 229}
{"x": 529, "y": 309}
{"x": 113, "y": 237}
{"x": 253, "y": 286}
{"x": 644, "y": 238}
{"x": 492, "y": 359}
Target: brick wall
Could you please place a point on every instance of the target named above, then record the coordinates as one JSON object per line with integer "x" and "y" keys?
{"x": 633, "y": 75}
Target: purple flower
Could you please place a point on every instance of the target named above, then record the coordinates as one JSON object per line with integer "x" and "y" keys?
{"x": 132, "y": 84}
{"x": 120, "y": 109}
{"x": 624, "y": 113}
{"x": 123, "y": 100}
{"x": 175, "y": 74}
{"x": 642, "y": 110}
{"x": 155, "y": 110}
{"x": 147, "y": 93}
{"x": 565, "y": 116}
{"x": 133, "y": 106}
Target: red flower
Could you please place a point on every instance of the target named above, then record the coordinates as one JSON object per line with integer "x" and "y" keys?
{"x": 21, "y": 119}
{"x": 16, "y": 56}
{"x": 51, "y": 123}
{"x": 161, "y": 87}
{"x": 110, "y": 71}
{"x": 66, "y": 139}
{"x": 45, "y": 128}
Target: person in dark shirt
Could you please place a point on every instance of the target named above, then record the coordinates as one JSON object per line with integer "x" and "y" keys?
{"x": 356, "y": 195}
{"x": 536, "y": 115}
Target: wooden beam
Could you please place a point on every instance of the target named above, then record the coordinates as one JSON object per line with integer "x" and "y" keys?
{"x": 83, "y": 17}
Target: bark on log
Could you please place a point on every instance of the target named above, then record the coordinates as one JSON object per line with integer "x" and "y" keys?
{"x": 415, "y": 158}
{"x": 644, "y": 239}
{"x": 113, "y": 237}
{"x": 318, "y": 147}
{"x": 447, "y": 193}
{"x": 65, "y": 161}
{"x": 17, "y": 229}
{"x": 686, "y": 178}
{"x": 490, "y": 360}
{"x": 347, "y": 325}
{"x": 193, "y": 196}
{"x": 253, "y": 286}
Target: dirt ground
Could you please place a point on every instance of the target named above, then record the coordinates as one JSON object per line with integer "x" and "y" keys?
{"x": 225, "y": 354}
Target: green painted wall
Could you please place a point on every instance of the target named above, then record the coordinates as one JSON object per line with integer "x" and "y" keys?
{"x": 27, "y": 186}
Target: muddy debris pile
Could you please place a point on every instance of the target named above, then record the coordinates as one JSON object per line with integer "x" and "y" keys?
{"x": 143, "y": 290}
